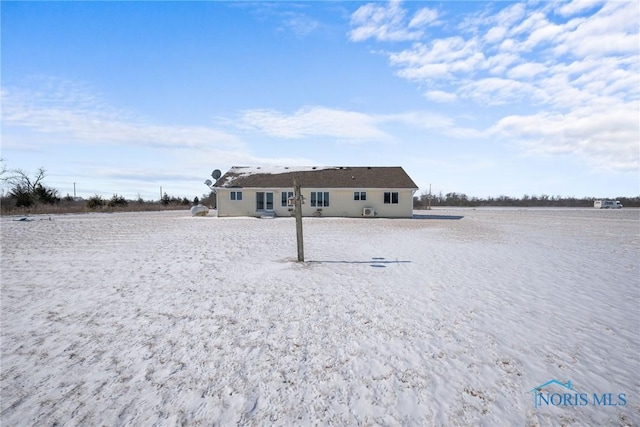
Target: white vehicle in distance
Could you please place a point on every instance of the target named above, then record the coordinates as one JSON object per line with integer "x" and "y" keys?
{"x": 607, "y": 204}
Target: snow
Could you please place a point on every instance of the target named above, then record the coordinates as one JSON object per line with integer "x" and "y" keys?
{"x": 244, "y": 171}
{"x": 164, "y": 318}
{"x": 251, "y": 170}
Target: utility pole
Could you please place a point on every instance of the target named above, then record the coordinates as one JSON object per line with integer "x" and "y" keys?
{"x": 298, "y": 203}
{"x": 74, "y": 191}
{"x": 429, "y": 207}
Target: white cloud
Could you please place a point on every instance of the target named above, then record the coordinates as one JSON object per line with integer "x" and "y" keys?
{"x": 389, "y": 22}
{"x": 526, "y": 71}
{"x": 499, "y": 63}
{"x": 440, "y": 96}
{"x": 343, "y": 125}
{"x": 497, "y": 91}
{"x": 510, "y": 48}
{"x": 426, "y": 72}
{"x": 592, "y": 81}
{"x": 546, "y": 32}
{"x": 71, "y": 114}
{"x": 424, "y": 17}
{"x": 314, "y": 121}
{"x": 510, "y": 15}
{"x": 612, "y": 30}
{"x": 301, "y": 24}
{"x": 562, "y": 61}
{"x": 384, "y": 23}
{"x": 600, "y": 45}
{"x": 68, "y": 109}
{"x": 419, "y": 119}
{"x": 440, "y": 59}
{"x": 529, "y": 24}
{"x": 577, "y": 6}
{"x": 607, "y": 138}
{"x": 495, "y": 34}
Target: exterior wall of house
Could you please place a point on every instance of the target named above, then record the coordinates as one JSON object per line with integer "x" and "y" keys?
{"x": 341, "y": 202}
{"x": 228, "y": 207}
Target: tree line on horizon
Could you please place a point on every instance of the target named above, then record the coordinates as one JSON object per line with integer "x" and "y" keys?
{"x": 462, "y": 200}
{"x": 28, "y": 192}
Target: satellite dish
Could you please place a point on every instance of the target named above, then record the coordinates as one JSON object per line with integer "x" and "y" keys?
{"x": 216, "y": 174}
{"x": 208, "y": 183}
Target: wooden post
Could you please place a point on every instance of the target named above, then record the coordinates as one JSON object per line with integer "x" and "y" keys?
{"x": 298, "y": 199}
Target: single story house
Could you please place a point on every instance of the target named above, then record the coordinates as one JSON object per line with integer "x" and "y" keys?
{"x": 327, "y": 191}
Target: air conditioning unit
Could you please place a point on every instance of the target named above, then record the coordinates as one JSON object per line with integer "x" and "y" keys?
{"x": 368, "y": 212}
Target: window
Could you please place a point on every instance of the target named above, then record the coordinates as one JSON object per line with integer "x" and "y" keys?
{"x": 319, "y": 199}
{"x": 391, "y": 197}
{"x": 236, "y": 195}
{"x": 360, "y": 195}
{"x": 286, "y": 195}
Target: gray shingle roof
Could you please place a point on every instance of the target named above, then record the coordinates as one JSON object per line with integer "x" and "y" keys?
{"x": 317, "y": 177}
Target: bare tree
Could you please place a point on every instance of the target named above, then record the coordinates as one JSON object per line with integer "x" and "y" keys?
{"x": 18, "y": 177}
{"x": 26, "y": 189}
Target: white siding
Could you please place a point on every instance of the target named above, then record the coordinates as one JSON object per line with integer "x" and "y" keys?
{"x": 228, "y": 207}
{"x": 341, "y": 202}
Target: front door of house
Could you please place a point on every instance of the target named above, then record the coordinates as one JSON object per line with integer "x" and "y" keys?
{"x": 264, "y": 201}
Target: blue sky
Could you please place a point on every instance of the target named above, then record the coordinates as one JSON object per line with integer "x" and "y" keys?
{"x": 481, "y": 98}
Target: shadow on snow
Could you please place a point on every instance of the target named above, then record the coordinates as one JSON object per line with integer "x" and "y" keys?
{"x": 420, "y": 216}
{"x": 374, "y": 262}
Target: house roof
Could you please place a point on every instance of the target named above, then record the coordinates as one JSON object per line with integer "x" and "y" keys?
{"x": 317, "y": 177}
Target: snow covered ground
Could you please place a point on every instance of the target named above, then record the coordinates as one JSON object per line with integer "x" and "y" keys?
{"x": 448, "y": 319}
